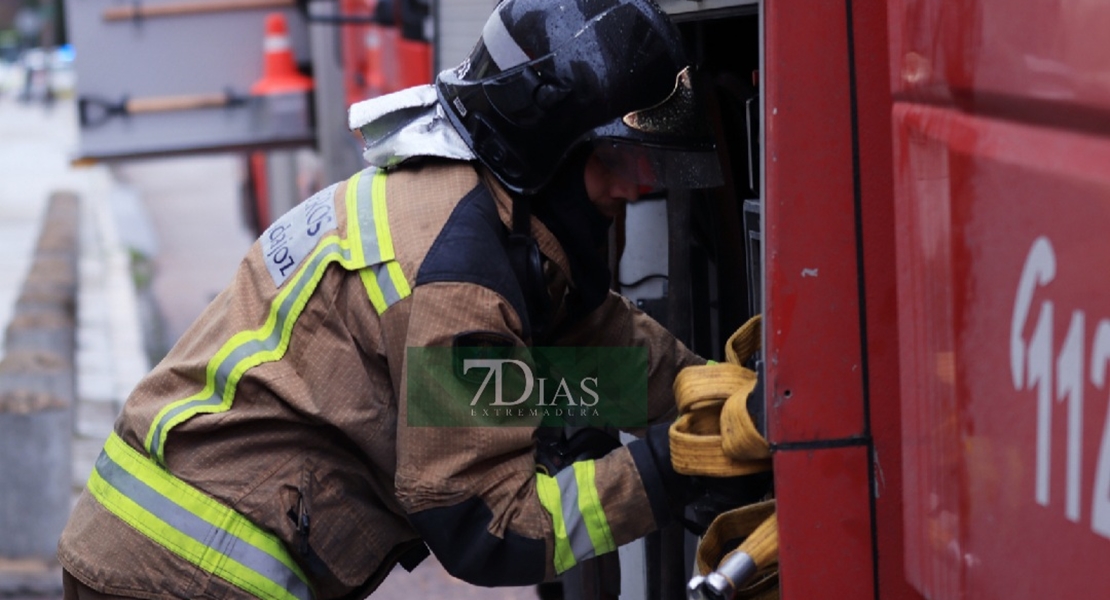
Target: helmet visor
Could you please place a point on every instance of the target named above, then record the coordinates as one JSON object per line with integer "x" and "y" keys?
{"x": 658, "y": 168}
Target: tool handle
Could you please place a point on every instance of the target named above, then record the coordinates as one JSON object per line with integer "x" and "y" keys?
{"x": 175, "y": 9}
{"x": 172, "y": 103}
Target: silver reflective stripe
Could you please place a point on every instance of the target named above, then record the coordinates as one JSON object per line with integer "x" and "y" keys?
{"x": 217, "y": 539}
{"x": 580, "y": 543}
{"x": 385, "y": 282}
{"x": 249, "y": 348}
{"x": 502, "y": 48}
{"x": 368, "y": 231}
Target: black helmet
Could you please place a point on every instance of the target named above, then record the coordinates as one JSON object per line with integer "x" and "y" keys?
{"x": 549, "y": 75}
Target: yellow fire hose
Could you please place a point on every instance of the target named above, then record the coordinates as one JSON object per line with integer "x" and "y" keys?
{"x": 751, "y": 570}
{"x": 714, "y": 436}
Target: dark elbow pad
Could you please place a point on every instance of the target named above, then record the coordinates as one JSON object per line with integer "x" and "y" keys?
{"x": 459, "y": 537}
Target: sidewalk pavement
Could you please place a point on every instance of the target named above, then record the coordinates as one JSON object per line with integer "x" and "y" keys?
{"x": 37, "y": 143}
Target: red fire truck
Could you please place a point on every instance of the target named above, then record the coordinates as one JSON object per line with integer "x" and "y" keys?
{"x": 931, "y": 196}
{"x": 926, "y": 178}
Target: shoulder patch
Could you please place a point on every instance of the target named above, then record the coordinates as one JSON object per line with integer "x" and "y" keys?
{"x": 291, "y": 238}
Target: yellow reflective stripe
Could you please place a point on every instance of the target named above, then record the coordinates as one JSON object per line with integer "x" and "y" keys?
{"x": 248, "y": 349}
{"x": 381, "y": 217}
{"x": 589, "y": 503}
{"x": 548, "y": 490}
{"x": 354, "y": 232}
{"x": 193, "y": 525}
{"x": 398, "y": 277}
{"x": 581, "y": 530}
{"x": 383, "y": 278}
{"x": 373, "y": 290}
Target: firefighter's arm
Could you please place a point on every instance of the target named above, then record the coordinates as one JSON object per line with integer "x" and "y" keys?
{"x": 473, "y": 492}
{"x": 617, "y": 322}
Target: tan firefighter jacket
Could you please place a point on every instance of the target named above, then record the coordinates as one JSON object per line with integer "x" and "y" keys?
{"x": 269, "y": 455}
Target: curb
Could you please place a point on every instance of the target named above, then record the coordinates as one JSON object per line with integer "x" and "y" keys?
{"x": 37, "y": 405}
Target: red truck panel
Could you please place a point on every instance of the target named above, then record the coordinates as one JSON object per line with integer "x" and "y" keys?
{"x": 353, "y": 40}
{"x": 1005, "y": 340}
{"x": 827, "y": 491}
{"x": 831, "y": 333}
{"x": 812, "y": 300}
{"x": 1002, "y": 212}
{"x": 1042, "y": 59}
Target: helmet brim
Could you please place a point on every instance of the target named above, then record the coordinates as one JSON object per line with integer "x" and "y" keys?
{"x": 668, "y": 145}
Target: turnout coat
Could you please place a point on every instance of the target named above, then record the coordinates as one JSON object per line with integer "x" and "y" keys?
{"x": 270, "y": 455}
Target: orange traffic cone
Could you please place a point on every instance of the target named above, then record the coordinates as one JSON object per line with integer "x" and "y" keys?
{"x": 279, "y": 69}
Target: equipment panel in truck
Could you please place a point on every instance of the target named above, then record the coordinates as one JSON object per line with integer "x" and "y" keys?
{"x": 167, "y": 77}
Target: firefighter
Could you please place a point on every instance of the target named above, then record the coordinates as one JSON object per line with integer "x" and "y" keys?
{"x": 273, "y": 454}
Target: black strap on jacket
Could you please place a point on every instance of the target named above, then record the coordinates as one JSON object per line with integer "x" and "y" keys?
{"x": 527, "y": 263}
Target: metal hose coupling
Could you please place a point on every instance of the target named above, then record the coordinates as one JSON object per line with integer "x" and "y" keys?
{"x": 737, "y": 567}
